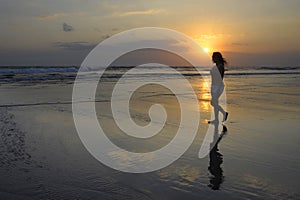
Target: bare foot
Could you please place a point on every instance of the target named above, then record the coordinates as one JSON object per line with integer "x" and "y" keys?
{"x": 225, "y": 116}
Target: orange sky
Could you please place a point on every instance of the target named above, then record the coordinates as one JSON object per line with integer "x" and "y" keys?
{"x": 48, "y": 31}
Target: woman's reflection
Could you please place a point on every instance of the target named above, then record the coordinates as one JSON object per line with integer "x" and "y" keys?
{"x": 216, "y": 159}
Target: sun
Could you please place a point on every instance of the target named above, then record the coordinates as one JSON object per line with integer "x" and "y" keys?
{"x": 206, "y": 50}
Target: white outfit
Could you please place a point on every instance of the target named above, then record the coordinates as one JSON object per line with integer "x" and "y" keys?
{"x": 217, "y": 84}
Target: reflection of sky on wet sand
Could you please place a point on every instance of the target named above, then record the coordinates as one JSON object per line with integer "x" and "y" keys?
{"x": 204, "y": 97}
{"x": 201, "y": 85}
{"x": 185, "y": 175}
{"x": 126, "y": 160}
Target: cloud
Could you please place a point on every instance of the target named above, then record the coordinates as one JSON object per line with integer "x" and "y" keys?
{"x": 50, "y": 16}
{"x": 208, "y": 36}
{"x": 74, "y": 46}
{"x": 239, "y": 44}
{"x": 106, "y": 30}
{"x": 213, "y": 36}
{"x": 67, "y": 27}
{"x": 144, "y": 12}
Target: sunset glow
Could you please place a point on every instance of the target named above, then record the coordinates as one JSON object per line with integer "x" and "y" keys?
{"x": 206, "y": 50}
{"x": 64, "y": 32}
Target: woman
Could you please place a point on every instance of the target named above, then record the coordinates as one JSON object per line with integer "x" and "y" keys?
{"x": 217, "y": 85}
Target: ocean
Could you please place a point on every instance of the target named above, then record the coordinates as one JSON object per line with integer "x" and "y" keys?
{"x": 28, "y": 73}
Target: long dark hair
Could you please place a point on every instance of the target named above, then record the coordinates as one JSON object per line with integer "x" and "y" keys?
{"x": 218, "y": 58}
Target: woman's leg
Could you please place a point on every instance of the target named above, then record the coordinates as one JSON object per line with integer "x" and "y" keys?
{"x": 217, "y": 107}
{"x": 215, "y": 104}
{"x": 221, "y": 110}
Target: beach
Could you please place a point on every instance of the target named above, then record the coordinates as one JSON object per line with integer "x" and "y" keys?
{"x": 42, "y": 156}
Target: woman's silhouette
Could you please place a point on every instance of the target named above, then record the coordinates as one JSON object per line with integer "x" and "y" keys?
{"x": 217, "y": 85}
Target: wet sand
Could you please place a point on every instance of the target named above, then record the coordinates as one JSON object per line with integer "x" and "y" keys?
{"x": 42, "y": 157}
